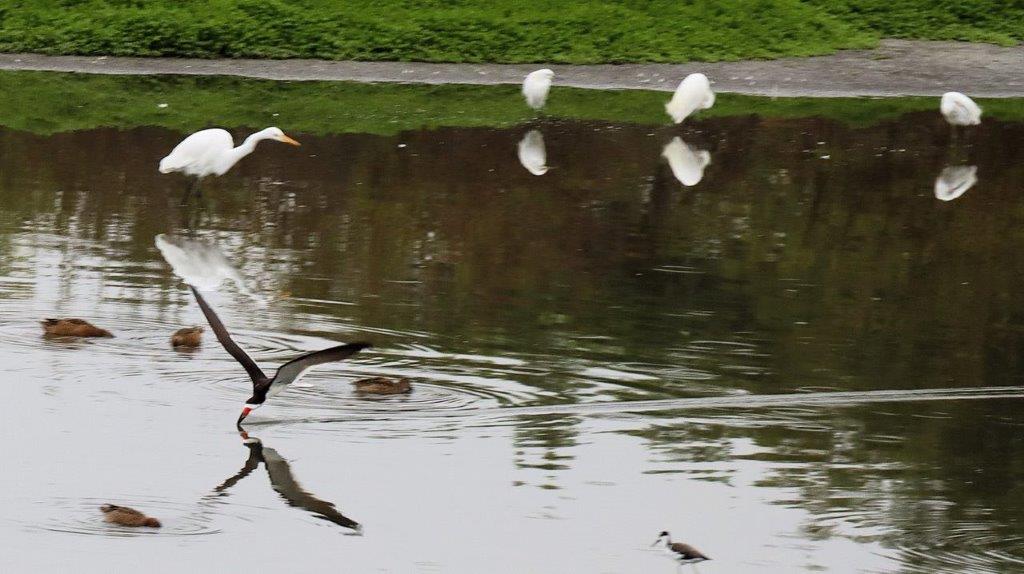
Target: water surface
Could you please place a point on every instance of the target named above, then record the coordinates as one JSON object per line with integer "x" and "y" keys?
{"x": 759, "y": 256}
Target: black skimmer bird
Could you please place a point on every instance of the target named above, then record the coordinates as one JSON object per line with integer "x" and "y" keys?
{"x": 264, "y": 387}
{"x": 127, "y": 516}
{"x": 284, "y": 483}
{"x": 680, "y": 552}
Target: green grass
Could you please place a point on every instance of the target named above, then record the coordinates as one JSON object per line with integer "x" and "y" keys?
{"x": 45, "y": 103}
{"x": 493, "y": 30}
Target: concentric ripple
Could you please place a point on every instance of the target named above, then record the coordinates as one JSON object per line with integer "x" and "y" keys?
{"x": 83, "y": 516}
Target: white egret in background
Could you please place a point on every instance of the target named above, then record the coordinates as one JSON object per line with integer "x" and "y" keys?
{"x": 536, "y": 87}
{"x": 954, "y": 181}
{"x": 213, "y": 152}
{"x": 532, "y": 154}
{"x": 687, "y": 164}
{"x": 202, "y": 265}
{"x": 959, "y": 110}
{"x": 694, "y": 93}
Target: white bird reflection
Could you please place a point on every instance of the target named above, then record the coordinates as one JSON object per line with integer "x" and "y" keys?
{"x": 954, "y": 181}
{"x": 686, "y": 163}
{"x": 532, "y": 153}
{"x": 202, "y": 265}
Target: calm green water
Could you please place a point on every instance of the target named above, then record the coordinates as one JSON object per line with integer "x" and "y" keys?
{"x": 810, "y": 256}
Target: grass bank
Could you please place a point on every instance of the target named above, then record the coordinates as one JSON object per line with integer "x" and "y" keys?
{"x": 47, "y": 102}
{"x": 512, "y": 31}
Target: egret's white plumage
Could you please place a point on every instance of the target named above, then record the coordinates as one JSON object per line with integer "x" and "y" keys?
{"x": 536, "y": 87}
{"x": 954, "y": 181}
{"x": 959, "y": 110}
{"x": 532, "y": 153}
{"x": 686, "y": 163}
{"x": 213, "y": 152}
{"x": 694, "y": 93}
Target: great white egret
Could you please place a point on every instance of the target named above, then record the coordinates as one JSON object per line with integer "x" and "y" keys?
{"x": 687, "y": 164}
{"x": 694, "y": 93}
{"x": 213, "y": 152}
{"x": 954, "y": 181}
{"x": 532, "y": 154}
{"x": 536, "y": 87}
{"x": 959, "y": 110}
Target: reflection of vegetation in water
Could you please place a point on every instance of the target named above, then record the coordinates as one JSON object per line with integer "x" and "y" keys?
{"x": 43, "y": 102}
{"x": 929, "y": 480}
{"x": 782, "y": 269}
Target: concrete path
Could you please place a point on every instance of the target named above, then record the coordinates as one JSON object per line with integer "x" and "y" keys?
{"x": 896, "y": 68}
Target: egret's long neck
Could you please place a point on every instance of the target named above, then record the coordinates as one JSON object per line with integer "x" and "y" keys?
{"x": 232, "y": 156}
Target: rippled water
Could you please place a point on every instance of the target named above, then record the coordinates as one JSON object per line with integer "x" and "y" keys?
{"x": 794, "y": 342}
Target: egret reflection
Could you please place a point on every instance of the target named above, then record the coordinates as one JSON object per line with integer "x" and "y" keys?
{"x": 200, "y": 264}
{"x": 954, "y": 181}
{"x": 283, "y": 482}
{"x": 532, "y": 153}
{"x": 686, "y": 163}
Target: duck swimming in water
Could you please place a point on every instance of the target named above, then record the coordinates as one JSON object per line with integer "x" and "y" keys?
{"x": 383, "y": 386}
{"x": 127, "y": 516}
{"x": 72, "y": 328}
{"x": 188, "y": 337}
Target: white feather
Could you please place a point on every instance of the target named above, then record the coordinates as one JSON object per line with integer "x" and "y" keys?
{"x": 536, "y": 87}
{"x": 694, "y": 93}
{"x": 532, "y": 153}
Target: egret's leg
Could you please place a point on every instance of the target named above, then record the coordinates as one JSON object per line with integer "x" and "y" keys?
{"x": 193, "y": 187}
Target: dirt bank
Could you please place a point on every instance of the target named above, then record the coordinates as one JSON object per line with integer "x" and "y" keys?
{"x": 896, "y": 68}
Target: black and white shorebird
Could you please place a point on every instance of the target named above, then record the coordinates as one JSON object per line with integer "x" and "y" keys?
{"x": 264, "y": 387}
{"x": 680, "y": 552}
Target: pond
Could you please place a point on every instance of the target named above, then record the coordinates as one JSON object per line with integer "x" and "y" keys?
{"x": 613, "y": 326}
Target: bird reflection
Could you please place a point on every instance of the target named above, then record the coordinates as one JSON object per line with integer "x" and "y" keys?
{"x": 954, "y": 181}
{"x": 201, "y": 264}
{"x": 687, "y": 164}
{"x": 532, "y": 154}
{"x": 283, "y": 481}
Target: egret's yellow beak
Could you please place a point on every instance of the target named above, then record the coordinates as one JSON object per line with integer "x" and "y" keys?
{"x": 288, "y": 140}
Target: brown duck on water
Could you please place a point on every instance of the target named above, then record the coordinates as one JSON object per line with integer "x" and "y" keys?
{"x": 383, "y": 386}
{"x": 188, "y": 337}
{"x": 72, "y": 328}
{"x": 127, "y": 516}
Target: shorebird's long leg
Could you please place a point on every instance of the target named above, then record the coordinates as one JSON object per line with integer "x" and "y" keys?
{"x": 193, "y": 187}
